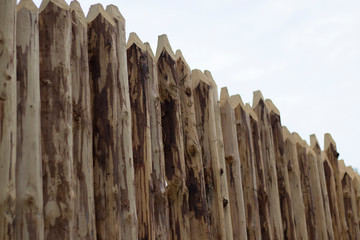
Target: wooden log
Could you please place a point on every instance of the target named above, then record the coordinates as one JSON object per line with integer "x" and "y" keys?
{"x": 223, "y": 176}
{"x": 82, "y": 127}
{"x": 308, "y": 195}
{"x": 138, "y": 72}
{"x": 161, "y": 205}
{"x": 267, "y": 148}
{"x": 233, "y": 166}
{"x": 248, "y": 170}
{"x": 8, "y": 111}
{"x": 195, "y": 182}
{"x": 356, "y": 186}
{"x": 106, "y": 146}
{"x": 295, "y": 184}
{"x": 332, "y": 154}
{"x": 56, "y": 119}
{"x": 286, "y": 205}
{"x": 173, "y": 140}
{"x": 262, "y": 191}
{"x": 206, "y": 128}
{"x": 29, "y": 187}
{"x": 325, "y": 197}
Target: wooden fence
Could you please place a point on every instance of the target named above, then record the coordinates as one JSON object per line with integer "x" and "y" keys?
{"x": 102, "y": 139}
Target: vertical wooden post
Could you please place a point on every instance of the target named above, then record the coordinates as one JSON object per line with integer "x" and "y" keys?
{"x": 29, "y": 187}
{"x": 82, "y": 127}
{"x": 173, "y": 140}
{"x": 332, "y": 154}
{"x": 106, "y": 146}
{"x": 248, "y": 171}
{"x": 233, "y": 166}
{"x": 141, "y": 135}
{"x": 56, "y": 119}
{"x": 269, "y": 163}
{"x": 198, "y": 214}
{"x": 356, "y": 185}
{"x": 223, "y": 176}
{"x": 263, "y": 195}
{"x": 205, "y": 120}
{"x": 7, "y": 117}
{"x": 294, "y": 174}
{"x": 286, "y": 205}
{"x": 325, "y": 197}
{"x": 161, "y": 205}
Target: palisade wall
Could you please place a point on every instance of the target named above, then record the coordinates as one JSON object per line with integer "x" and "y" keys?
{"x": 102, "y": 139}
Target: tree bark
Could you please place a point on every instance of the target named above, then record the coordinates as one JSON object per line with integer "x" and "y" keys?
{"x": 195, "y": 182}
{"x": 205, "y": 120}
{"x": 248, "y": 170}
{"x": 173, "y": 140}
{"x": 29, "y": 182}
{"x": 82, "y": 127}
{"x": 233, "y": 166}
{"x": 56, "y": 119}
{"x": 7, "y": 118}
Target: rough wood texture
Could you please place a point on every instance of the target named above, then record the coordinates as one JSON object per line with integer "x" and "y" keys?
{"x": 325, "y": 197}
{"x": 332, "y": 154}
{"x": 204, "y": 109}
{"x": 29, "y": 187}
{"x": 356, "y": 185}
{"x": 198, "y": 214}
{"x": 82, "y": 127}
{"x": 106, "y": 146}
{"x": 173, "y": 140}
{"x": 286, "y": 204}
{"x": 7, "y": 117}
{"x": 248, "y": 171}
{"x": 56, "y": 119}
{"x": 295, "y": 184}
{"x": 269, "y": 163}
{"x": 233, "y": 166}
{"x": 161, "y": 205}
{"x": 263, "y": 196}
{"x": 138, "y": 73}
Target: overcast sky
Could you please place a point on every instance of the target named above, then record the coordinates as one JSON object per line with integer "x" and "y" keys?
{"x": 303, "y": 55}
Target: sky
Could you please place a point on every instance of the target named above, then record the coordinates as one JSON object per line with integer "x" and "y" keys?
{"x": 303, "y": 55}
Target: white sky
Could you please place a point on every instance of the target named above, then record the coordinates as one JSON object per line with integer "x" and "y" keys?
{"x": 303, "y": 55}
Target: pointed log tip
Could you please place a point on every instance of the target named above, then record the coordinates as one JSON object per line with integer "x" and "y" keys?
{"x": 328, "y": 140}
{"x": 250, "y": 112}
{"x": 60, "y": 3}
{"x": 96, "y": 10}
{"x": 314, "y": 142}
{"x": 198, "y": 76}
{"x": 257, "y": 96}
{"x": 235, "y": 100}
{"x": 134, "y": 39}
{"x": 149, "y": 50}
{"x": 180, "y": 56}
{"x": 27, "y": 4}
{"x": 287, "y": 135}
{"x": 210, "y": 78}
{"x": 75, "y": 6}
{"x": 164, "y": 45}
{"x": 299, "y": 140}
{"x": 224, "y": 95}
{"x": 272, "y": 107}
{"x": 114, "y": 12}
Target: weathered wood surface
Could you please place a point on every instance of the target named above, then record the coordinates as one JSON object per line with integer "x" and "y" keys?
{"x": 268, "y": 158}
{"x": 356, "y": 185}
{"x": 138, "y": 72}
{"x": 262, "y": 191}
{"x": 195, "y": 182}
{"x": 29, "y": 187}
{"x": 161, "y": 205}
{"x": 233, "y": 167}
{"x": 107, "y": 166}
{"x": 206, "y": 128}
{"x": 332, "y": 154}
{"x": 173, "y": 140}
{"x": 286, "y": 204}
{"x": 56, "y": 119}
{"x": 325, "y": 197}
{"x": 248, "y": 170}
{"x": 223, "y": 176}
{"x": 294, "y": 174}
{"x": 82, "y": 128}
{"x": 129, "y": 225}
{"x": 8, "y": 123}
